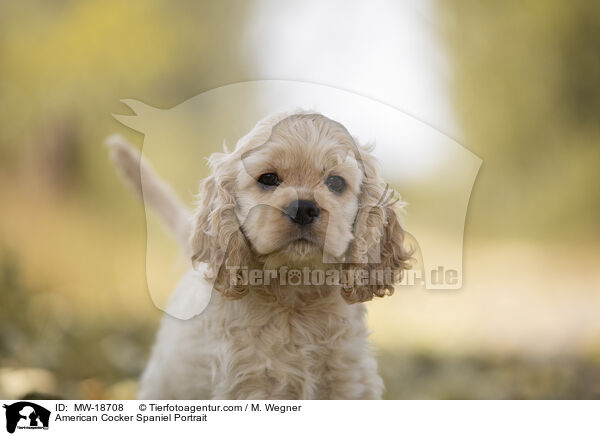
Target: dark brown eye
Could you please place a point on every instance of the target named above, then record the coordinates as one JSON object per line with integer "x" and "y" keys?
{"x": 336, "y": 184}
{"x": 269, "y": 179}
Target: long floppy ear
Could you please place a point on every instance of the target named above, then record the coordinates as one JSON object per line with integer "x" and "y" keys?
{"x": 217, "y": 238}
{"x": 376, "y": 257}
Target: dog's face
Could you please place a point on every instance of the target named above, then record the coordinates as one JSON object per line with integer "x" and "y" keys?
{"x": 296, "y": 191}
{"x": 297, "y": 194}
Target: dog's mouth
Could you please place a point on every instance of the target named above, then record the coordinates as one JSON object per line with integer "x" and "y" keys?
{"x": 303, "y": 242}
{"x": 301, "y": 245}
{"x": 302, "y": 248}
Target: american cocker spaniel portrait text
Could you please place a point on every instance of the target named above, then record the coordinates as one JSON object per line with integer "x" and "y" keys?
{"x": 293, "y": 231}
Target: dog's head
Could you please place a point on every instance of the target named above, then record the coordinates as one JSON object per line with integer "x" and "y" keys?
{"x": 297, "y": 191}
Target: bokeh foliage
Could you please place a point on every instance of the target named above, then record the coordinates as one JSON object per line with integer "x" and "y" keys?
{"x": 525, "y": 88}
{"x": 65, "y": 65}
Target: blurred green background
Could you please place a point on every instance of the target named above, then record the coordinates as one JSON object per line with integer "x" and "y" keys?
{"x": 76, "y": 320}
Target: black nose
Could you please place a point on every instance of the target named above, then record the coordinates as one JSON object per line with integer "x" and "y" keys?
{"x": 302, "y": 212}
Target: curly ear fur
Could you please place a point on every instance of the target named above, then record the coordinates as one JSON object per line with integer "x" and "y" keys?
{"x": 217, "y": 238}
{"x": 378, "y": 238}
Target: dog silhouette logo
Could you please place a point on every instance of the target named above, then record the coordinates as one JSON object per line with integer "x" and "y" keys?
{"x": 434, "y": 173}
{"x": 26, "y": 415}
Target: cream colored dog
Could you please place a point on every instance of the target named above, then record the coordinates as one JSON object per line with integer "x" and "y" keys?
{"x": 297, "y": 193}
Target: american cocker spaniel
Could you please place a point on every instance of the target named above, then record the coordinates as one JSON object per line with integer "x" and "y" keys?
{"x": 293, "y": 231}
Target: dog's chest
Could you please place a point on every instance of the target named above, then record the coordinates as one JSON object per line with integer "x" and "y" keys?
{"x": 278, "y": 352}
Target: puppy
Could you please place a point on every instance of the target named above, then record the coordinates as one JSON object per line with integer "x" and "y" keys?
{"x": 292, "y": 232}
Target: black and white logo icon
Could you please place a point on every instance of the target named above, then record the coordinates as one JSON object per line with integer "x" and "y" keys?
{"x": 26, "y": 415}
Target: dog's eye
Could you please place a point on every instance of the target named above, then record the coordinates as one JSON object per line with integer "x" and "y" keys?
{"x": 336, "y": 184}
{"x": 269, "y": 179}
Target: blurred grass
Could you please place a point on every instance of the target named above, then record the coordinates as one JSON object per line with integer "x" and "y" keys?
{"x": 83, "y": 352}
{"x": 430, "y": 375}
{"x": 74, "y": 299}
